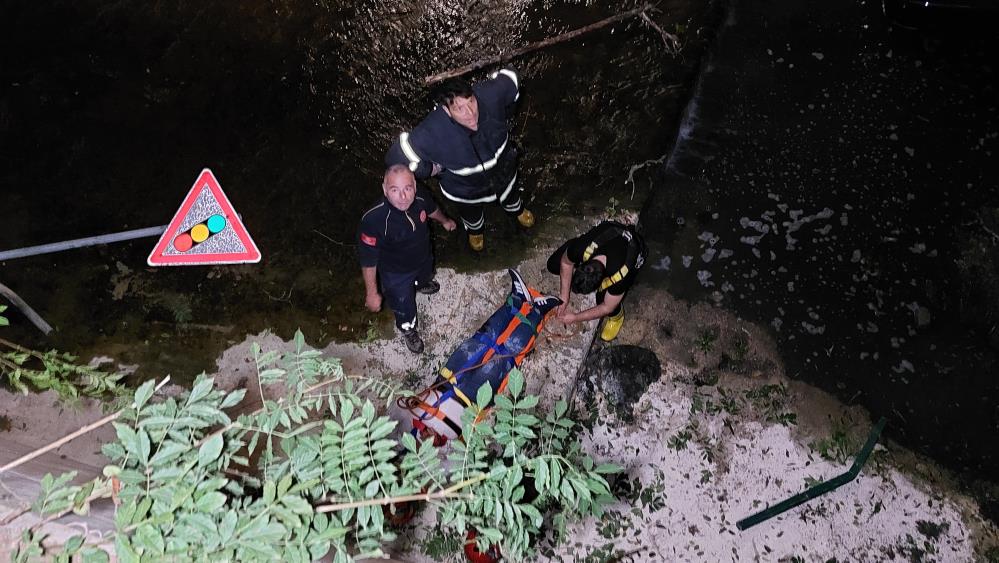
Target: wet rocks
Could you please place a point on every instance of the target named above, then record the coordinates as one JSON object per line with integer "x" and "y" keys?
{"x": 621, "y": 374}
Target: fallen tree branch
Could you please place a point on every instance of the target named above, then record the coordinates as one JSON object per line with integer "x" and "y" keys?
{"x": 995, "y": 237}
{"x": 93, "y": 425}
{"x": 636, "y": 167}
{"x": 672, "y": 41}
{"x": 19, "y": 348}
{"x": 34, "y": 317}
{"x": 222, "y": 329}
{"x": 542, "y": 44}
{"x": 24, "y": 509}
{"x": 331, "y": 239}
{"x": 279, "y": 402}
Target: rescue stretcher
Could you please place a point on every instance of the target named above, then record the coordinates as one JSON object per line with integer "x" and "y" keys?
{"x": 488, "y": 356}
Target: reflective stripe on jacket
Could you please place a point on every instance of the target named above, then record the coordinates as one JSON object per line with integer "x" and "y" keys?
{"x": 477, "y": 165}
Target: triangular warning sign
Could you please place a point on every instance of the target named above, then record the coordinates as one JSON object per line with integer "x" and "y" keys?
{"x": 205, "y": 230}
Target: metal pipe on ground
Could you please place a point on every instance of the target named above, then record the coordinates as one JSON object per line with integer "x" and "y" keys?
{"x": 30, "y": 313}
{"x": 26, "y": 309}
{"x": 821, "y": 488}
{"x": 81, "y": 243}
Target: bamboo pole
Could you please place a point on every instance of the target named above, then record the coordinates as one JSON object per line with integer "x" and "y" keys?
{"x": 537, "y": 45}
{"x": 68, "y": 438}
{"x": 427, "y": 497}
{"x": 23, "y": 306}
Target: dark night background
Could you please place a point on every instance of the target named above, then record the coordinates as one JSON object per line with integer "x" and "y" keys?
{"x": 832, "y": 175}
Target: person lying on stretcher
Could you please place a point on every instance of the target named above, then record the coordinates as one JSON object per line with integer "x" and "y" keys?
{"x": 488, "y": 356}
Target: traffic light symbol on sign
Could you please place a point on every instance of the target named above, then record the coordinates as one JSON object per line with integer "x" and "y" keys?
{"x": 199, "y": 233}
{"x": 205, "y": 230}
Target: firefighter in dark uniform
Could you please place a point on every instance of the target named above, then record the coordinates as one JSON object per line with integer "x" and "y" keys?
{"x": 606, "y": 260}
{"x": 394, "y": 248}
{"x": 466, "y": 140}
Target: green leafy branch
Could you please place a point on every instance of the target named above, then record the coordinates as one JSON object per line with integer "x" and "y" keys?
{"x": 310, "y": 474}
{"x": 28, "y": 370}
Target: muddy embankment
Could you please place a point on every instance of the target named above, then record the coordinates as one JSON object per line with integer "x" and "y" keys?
{"x": 722, "y": 432}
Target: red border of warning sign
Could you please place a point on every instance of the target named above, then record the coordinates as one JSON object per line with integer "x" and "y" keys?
{"x": 250, "y": 256}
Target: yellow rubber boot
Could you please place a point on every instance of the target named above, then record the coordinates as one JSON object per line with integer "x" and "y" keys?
{"x": 526, "y": 219}
{"x": 477, "y": 242}
{"x": 612, "y": 326}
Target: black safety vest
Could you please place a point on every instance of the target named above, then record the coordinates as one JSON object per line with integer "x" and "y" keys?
{"x": 635, "y": 256}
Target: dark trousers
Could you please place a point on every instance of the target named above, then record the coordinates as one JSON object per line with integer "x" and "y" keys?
{"x": 399, "y": 292}
{"x": 473, "y": 218}
{"x": 555, "y": 267}
{"x": 505, "y": 182}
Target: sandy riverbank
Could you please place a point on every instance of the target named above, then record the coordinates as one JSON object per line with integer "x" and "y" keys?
{"x": 722, "y": 434}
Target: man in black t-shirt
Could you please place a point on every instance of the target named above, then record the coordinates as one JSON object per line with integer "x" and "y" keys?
{"x": 606, "y": 260}
{"x": 394, "y": 248}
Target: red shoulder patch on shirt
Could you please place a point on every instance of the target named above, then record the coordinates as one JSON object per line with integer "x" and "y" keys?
{"x": 423, "y": 216}
{"x": 369, "y": 240}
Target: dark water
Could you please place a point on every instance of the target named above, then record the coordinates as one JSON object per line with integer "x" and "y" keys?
{"x": 839, "y": 185}
{"x": 108, "y": 111}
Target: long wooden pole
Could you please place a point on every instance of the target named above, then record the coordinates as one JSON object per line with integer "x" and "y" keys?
{"x": 448, "y": 492}
{"x": 536, "y": 45}
{"x": 65, "y": 439}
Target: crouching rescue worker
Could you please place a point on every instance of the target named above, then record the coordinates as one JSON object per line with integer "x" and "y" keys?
{"x": 466, "y": 140}
{"x": 394, "y": 248}
{"x": 606, "y": 260}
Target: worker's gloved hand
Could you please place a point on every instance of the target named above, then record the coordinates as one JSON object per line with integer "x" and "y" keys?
{"x": 373, "y": 301}
{"x": 436, "y": 169}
